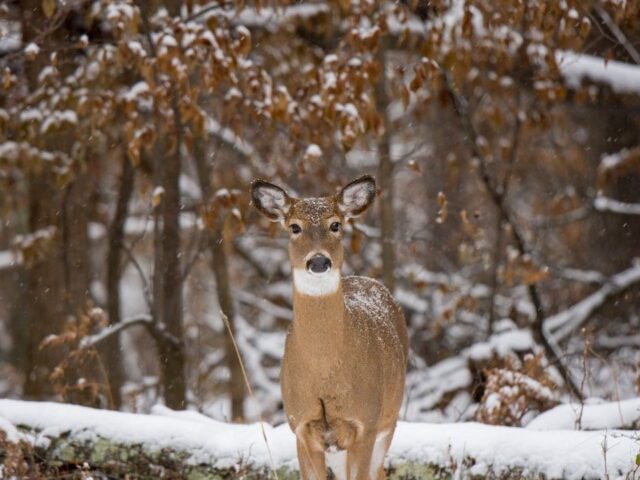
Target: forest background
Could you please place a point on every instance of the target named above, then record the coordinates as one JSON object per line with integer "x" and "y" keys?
{"x": 504, "y": 136}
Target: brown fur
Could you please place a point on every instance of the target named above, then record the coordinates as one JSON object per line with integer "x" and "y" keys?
{"x": 345, "y": 355}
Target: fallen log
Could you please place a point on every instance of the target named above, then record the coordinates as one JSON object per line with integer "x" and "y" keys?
{"x": 50, "y": 440}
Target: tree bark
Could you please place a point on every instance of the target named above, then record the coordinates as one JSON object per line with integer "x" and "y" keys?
{"x": 220, "y": 269}
{"x": 385, "y": 176}
{"x": 169, "y": 305}
{"x": 111, "y": 350}
{"x": 49, "y": 302}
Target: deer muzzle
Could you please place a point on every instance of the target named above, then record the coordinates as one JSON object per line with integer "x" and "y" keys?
{"x": 318, "y": 264}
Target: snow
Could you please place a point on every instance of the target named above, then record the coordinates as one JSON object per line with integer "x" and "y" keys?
{"x": 609, "y": 415}
{"x": 605, "y": 204}
{"x": 613, "y": 160}
{"x": 10, "y": 36}
{"x": 576, "y": 68}
{"x": 269, "y": 16}
{"x": 8, "y": 260}
{"x": 313, "y": 151}
{"x": 32, "y": 49}
{"x": 554, "y": 453}
{"x": 502, "y": 344}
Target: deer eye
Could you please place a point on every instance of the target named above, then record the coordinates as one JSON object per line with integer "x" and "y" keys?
{"x": 295, "y": 228}
{"x": 335, "y": 227}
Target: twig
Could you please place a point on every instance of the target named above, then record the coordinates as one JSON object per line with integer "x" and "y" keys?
{"x": 461, "y": 107}
{"x": 143, "y": 278}
{"x": 197, "y": 244}
{"x": 504, "y": 188}
{"x": 617, "y": 32}
{"x": 247, "y": 256}
{"x": 225, "y": 319}
{"x": 263, "y": 304}
{"x": 572, "y": 216}
{"x": 96, "y": 339}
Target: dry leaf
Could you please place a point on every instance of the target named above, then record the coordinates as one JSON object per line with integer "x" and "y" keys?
{"x": 48, "y": 8}
{"x": 442, "y": 213}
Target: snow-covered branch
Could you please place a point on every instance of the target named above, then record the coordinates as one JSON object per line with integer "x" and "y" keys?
{"x": 606, "y": 204}
{"x": 94, "y": 340}
{"x": 264, "y": 17}
{"x": 562, "y": 324}
{"x": 229, "y": 138}
{"x": 578, "y": 67}
{"x": 8, "y": 260}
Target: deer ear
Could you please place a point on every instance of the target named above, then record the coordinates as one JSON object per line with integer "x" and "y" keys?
{"x": 357, "y": 196}
{"x": 272, "y": 201}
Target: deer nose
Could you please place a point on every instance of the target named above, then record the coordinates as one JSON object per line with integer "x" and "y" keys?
{"x": 319, "y": 264}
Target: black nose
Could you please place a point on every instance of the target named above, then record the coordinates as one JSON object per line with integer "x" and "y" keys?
{"x": 319, "y": 264}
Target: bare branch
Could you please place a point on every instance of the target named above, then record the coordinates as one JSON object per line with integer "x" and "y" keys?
{"x": 562, "y": 324}
{"x": 145, "y": 284}
{"x": 264, "y": 305}
{"x": 617, "y": 32}
{"x": 94, "y": 340}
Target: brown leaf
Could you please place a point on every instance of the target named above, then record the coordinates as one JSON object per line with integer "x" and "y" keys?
{"x": 355, "y": 241}
{"x": 442, "y": 213}
{"x": 48, "y": 8}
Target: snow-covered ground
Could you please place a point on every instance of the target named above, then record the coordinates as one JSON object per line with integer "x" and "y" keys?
{"x": 472, "y": 448}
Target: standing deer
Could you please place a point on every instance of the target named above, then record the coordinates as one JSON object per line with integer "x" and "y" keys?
{"x": 345, "y": 356}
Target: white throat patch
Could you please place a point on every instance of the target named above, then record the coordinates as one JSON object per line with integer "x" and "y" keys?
{"x": 316, "y": 284}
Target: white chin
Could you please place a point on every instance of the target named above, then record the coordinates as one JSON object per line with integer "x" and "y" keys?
{"x": 316, "y": 284}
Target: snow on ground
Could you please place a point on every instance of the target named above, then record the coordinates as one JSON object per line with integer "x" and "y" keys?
{"x": 554, "y": 453}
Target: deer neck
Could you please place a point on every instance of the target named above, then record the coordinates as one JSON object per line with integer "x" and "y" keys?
{"x": 318, "y": 306}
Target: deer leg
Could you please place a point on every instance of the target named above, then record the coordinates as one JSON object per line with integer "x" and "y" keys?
{"x": 380, "y": 448}
{"x": 312, "y": 464}
{"x": 359, "y": 456}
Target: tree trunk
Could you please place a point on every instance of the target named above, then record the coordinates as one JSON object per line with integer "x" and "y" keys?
{"x": 111, "y": 350}
{"x": 220, "y": 268}
{"x": 45, "y": 293}
{"x": 169, "y": 305}
{"x": 385, "y": 176}
{"x": 57, "y": 285}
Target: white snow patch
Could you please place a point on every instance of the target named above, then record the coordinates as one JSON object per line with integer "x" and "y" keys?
{"x": 8, "y": 259}
{"x": 609, "y": 415}
{"x": 577, "y": 67}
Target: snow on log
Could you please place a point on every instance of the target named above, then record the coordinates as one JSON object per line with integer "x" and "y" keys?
{"x": 194, "y": 446}
{"x": 600, "y": 416}
{"x": 578, "y": 67}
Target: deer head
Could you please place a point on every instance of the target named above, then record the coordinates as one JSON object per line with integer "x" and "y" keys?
{"x": 315, "y": 227}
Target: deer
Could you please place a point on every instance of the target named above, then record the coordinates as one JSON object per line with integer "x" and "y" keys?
{"x": 345, "y": 357}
